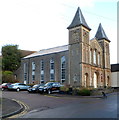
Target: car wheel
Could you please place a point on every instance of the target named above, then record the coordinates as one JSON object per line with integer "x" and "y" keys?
{"x": 49, "y": 91}
{"x": 2, "y": 89}
{"x": 18, "y": 89}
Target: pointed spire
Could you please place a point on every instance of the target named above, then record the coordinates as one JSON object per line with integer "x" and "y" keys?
{"x": 101, "y": 33}
{"x": 78, "y": 20}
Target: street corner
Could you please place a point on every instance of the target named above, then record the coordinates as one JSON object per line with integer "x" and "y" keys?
{"x": 12, "y": 108}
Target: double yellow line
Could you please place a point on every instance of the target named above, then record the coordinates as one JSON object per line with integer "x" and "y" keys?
{"x": 26, "y": 108}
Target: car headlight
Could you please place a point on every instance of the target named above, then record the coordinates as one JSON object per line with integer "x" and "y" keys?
{"x": 34, "y": 89}
{"x": 44, "y": 90}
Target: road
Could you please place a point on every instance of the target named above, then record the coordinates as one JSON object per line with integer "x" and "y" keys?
{"x": 41, "y": 106}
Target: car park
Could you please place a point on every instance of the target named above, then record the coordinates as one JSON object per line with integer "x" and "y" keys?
{"x": 50, "y": 87}
{"x": 18, "y": 86}
{"x": 34, "y": 88}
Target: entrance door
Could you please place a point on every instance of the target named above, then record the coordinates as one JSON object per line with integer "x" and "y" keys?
{"x": 95, "y": 80}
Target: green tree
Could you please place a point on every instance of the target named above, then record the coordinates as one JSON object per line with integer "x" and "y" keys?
{"x": 11, "y": 57}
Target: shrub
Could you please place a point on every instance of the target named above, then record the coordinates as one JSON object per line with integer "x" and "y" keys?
{"x": 8, "y": 77}
{"x": 31, "y": 84}
{"x": 84, "y": 92}
{"x": 64, "y": 88}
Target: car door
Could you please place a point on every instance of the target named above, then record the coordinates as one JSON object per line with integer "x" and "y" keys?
{"x": 23, "y": 86}
{"x": 54, "y": 87}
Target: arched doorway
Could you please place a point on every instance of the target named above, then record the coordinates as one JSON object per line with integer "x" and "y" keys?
{"x": 95, "y": 80}
{"x": 86, "y": 80}
{"x": 108, "y": 81}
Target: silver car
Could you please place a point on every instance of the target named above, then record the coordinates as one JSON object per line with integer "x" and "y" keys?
{"x": 18, "y": 86}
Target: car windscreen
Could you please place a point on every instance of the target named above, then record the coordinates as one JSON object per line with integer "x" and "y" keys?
{"x": 35, "y": 85}
{"x": 4, "y": 83}
{"x": 48, "y": 84}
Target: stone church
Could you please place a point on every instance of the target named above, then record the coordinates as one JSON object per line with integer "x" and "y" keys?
{"x": 83, "y": 62}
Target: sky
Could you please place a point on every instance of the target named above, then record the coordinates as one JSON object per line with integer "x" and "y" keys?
{"x": 42, "y": 24}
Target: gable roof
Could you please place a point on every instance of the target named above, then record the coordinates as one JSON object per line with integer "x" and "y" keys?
{"x": 101, "y": 33}
{"x": 48, "y": 51}
{"x": 95, "y": 40}
{"x": 78, "y": 20}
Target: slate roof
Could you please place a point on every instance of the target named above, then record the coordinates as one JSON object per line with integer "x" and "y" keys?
{"x": 78, "y": 20}
{"x": 115, "y": 67}
{"x": 101, "y": 33}
{"x": 48, "y": 51}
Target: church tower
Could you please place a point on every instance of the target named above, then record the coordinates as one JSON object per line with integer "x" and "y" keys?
{"x": 104, "y": 43}
{"x": 78, "y": 48}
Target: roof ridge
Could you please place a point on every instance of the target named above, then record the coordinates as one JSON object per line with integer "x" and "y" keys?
{"x": 52, "y": 48}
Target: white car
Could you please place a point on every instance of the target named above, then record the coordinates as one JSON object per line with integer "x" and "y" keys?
{"x": 18, "y": 86}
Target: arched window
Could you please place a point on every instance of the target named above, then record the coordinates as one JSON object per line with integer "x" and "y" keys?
{"x": 86, "y": 80}
{"x": 108, "y": 81}
{"x": 98, "y": 58}
{"x": 90, "y": 56}
{"x": 52, "y": 71}
{"x": 33, "y": 71}
{"x": 42, "y": 71}
{"x": 25, "y": 72}
{"x": 94, "y": 57}
{"x": 63, "y": 69}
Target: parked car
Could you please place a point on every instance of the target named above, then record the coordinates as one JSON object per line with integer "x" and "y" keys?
{"x": 18, "y": 86}
{"x": 50, "y": 87}
{"x": 34, "y": 88}
{"x": 4, "y": 86}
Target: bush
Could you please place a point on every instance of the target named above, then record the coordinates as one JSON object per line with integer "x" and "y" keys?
{"x": 8, "y": 77}
{"x": 32, "y": 84}
{"x": 64, "y": 88}
{"x": 84, "y": 92}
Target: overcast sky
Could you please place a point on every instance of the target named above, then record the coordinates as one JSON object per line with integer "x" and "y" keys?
{"x": 42, "y": 24}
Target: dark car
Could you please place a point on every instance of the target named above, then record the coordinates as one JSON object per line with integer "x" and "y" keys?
{"x": 5, "y": 86}
{"x": 34, "y": 88}
{"x": 50, "y": 87}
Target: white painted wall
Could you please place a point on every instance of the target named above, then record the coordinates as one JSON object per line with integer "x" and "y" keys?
{"x": 115, "y": 79}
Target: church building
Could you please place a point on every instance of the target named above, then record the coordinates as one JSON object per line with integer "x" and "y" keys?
{"x": 83, "y": 62}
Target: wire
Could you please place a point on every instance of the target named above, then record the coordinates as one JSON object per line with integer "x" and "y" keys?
{"x": 72, "y": 7}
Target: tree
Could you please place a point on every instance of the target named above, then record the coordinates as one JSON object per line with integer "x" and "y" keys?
{"x": 11, "y": 57}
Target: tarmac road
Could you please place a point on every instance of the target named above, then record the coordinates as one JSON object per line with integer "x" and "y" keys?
{"x": 41, "y": 106}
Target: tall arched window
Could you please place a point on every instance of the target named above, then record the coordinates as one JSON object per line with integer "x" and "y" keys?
{"x": 86, "y": 80}
{"x": 90, "y": 56}
{"x": 94, "y": 57}
{"x": 108, "y": 81}
{"x": 63, "y": 69}
{"x": 98, "y": 58}
{"x": 42, "y": 71}
{"x": 25, "y": 72}
{"x": 52, "y": 71}
{"x": 33, "y": 71}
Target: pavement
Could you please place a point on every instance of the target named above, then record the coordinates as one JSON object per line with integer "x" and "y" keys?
{"x": 77, "y": 96}
{"x": 12, "y": 107}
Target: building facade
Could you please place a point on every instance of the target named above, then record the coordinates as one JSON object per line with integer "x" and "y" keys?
{"x": 83, "y": 62}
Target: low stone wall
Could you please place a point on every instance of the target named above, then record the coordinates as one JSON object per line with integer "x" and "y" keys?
{"x": 99, "y": 91}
